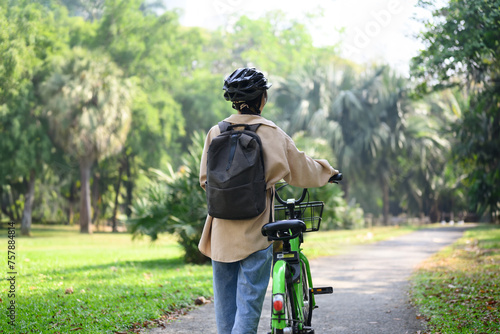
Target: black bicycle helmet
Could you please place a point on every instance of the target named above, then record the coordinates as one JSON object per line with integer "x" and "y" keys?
{"x": 245, "y": 84}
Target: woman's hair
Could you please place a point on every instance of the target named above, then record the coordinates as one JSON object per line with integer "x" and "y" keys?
{"x": 251, "y": 107}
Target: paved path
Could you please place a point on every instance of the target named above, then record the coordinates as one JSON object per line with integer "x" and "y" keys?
{"x": 370, "y": 289}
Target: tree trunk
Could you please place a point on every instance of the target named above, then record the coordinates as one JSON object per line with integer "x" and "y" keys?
{"x": 385, "y": 190}
{"x": 129, "y": 186}
{"x": 434, "y": 212}
{"x": 14, "y": 207}
{"x": 28, "y": 205}
{"x": 117, "y": 194}
{"x": 71, "y": 200}
{"x": 85, "y": 222}
{"x": 95, "y": 200}
{"x": 5, "y": 203}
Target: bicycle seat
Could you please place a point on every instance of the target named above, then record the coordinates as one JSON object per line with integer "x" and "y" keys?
{"x": 283, "y": 229}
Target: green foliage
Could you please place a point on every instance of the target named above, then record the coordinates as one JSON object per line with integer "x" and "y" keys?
{"x": 90, "y": 10}
{"x": 157, "y": 52}
{"x": 393, "y": 146}
{"x": 24, "y": 39}
{"x": 462, "y": 49}
{"x": 51, "y": 194}
{"x": 478, "y": 151}
{"x": 337, "y": 213}
{"x": 100, "y": 283}
{"x": 461, "y": 43}
{"x": 275, "y": 43}
{"x": 29, "y": 34}
{"x": 456, "y": 290}
{"x": 175, "y": 203}
{"x": 371, "y": 122}
{"x": 200, "y": 97}
{"x": 87, "y": 105}
{"x": 350, "y": 216}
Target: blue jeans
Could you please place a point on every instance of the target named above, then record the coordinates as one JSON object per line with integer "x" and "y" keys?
{"x": 239, "y": 291}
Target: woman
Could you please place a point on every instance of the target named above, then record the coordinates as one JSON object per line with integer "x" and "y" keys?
{"x": 241, "y": 256}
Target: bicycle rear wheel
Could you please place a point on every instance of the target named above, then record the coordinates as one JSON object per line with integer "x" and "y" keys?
{"x": 290, "y": 310}
{"x": 307, "y": 297}
{"x": 291, "y": 314}
{"x": 288, "y": 314}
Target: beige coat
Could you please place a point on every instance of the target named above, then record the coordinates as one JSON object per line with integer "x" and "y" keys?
{"x": 233, "y": 240}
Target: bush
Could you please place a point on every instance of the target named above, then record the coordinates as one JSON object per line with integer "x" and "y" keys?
{"x": 175, "y": 203}
{"x": 340, "y": 215}
{"x": 351, "y": 216}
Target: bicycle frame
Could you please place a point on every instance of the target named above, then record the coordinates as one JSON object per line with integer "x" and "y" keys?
{"x": 292, "y": 260}
{"x": 292, "y": 289}
{"x": 280, "y": 281}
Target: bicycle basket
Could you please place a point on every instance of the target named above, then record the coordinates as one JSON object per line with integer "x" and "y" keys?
{"x": 309, "y": 212}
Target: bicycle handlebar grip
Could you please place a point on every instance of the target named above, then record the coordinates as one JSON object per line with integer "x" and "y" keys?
{"x": 336, "y": 178}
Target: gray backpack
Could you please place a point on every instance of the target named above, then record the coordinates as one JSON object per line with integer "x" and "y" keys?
{"x": 236, "y": 179}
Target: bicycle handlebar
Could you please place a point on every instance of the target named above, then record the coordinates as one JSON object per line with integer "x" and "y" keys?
{"x": 302, "y": 197}
{"x": 334, "y": 179}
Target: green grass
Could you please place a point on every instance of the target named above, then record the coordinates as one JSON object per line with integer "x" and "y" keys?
{"x": 457, "y": 290}
{"x": 117, "y": 283}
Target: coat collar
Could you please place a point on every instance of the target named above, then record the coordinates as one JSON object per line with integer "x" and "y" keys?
{"x": 249, "y": 119}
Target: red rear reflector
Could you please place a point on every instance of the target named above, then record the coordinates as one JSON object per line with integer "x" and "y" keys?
{"x": 278, "y": 302}
{"x": 278, "y": 305}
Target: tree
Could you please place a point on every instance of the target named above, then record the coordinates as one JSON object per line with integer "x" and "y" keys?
{"x": 87, "y": 103}
{"x": 478, "y": 151}
{"x": 461, "y": 45}
{"x": 175, "y": 203}
{"x": 462, "y": 49}
{"x": 371, "y": 122}
{"x": 277, "y": 45}
{"x": 414, "y": 143}
{"x": 29, "y": 34}
{"x": 89, "y": 9}
{"x": 332, "y": 102}
{"x": 200, "y": 97}
{"x": 158, "y": 54}
{"x": 427, "y": 174}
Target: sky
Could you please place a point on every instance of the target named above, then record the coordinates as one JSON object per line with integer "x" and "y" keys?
{"x": 373, "y": 30}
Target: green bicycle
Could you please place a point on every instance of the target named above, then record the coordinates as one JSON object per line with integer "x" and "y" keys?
{"x": 292, "y": 288}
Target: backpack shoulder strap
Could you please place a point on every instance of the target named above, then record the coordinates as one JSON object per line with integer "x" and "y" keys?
{"x": 254, "y": 127}
{"x": 223, "y": 125}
